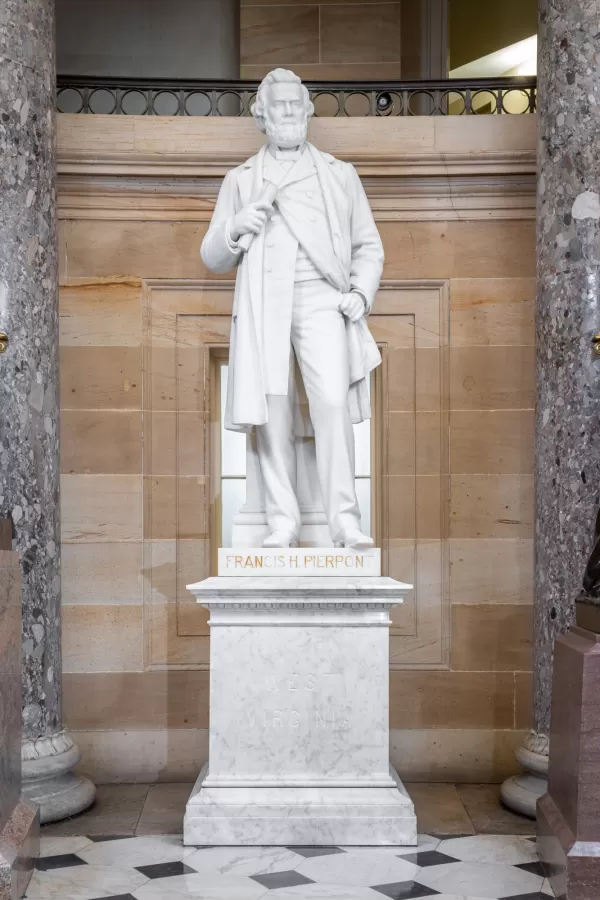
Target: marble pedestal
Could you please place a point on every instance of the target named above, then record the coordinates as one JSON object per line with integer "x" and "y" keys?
{"x": 299, "y": 715}
{"x": 569, "y": 814}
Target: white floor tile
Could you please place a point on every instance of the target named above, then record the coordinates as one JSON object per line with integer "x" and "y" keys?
{"x": 491, "y": 848}
{"x": 59, "y": 846}
{"x": 479, "y": 880}
{"x": 454, "y": 897}
{"x": 324, "y": 892}
{"x": 243, "y": 860}
{"x": 199, "y": 887}
{"x": 83, "y": 883}
{"x": 358, "y": 868}
{"x": 425, "y": 842}
{"x": 137, "y": 851}
{"x": 486, "y": 870}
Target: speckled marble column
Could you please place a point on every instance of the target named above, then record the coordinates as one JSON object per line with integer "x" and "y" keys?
{"x": 567, "y": 443}
{"x": 29, "y": 434}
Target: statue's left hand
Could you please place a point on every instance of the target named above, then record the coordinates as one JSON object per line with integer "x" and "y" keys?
{"x": 353, "y": 306}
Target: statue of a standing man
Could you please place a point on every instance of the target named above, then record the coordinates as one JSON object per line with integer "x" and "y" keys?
{"x": 297, "y": 223}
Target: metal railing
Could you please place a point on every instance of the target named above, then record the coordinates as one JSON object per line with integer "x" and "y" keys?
{"x": 167, "y": 97}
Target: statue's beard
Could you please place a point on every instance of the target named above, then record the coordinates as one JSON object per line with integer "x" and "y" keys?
{"x": 286, "y": 135}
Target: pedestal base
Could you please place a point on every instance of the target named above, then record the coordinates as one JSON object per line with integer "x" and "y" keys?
{"x": 19, "y": 848}
{"x": 299, "y": 715}
{"x": 309, "y": 816}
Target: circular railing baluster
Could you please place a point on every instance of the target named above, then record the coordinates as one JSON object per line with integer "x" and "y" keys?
{"x": 468, "y": 106}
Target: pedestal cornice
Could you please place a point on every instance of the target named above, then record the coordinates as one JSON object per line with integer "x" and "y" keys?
{"x": 308, "y": 591}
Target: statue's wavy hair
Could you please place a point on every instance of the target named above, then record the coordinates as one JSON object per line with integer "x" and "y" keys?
{"x": 281, "y": 76}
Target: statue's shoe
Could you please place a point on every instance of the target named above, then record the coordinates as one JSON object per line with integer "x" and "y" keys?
{"x": 356, "y": 540}
{"x": 279, "y": 539}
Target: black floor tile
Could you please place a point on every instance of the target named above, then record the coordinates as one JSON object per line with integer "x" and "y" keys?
{"x": 119, "y": 897}
{"x": 448, "y": 837}
{"x": 315, "y": 851}
{"x": 405, "y": 890}
{"x": 165, "y": 870}
{"x": 100, "y": 838}
{"x": 63, "y": 861}
{"x": 281, "y": 880}
{"x": 426, "y": 858}
{"x": 536, "y": 868}
{"x": 537, "y": 895}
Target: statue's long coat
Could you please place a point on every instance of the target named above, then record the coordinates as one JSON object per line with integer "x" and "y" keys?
{"x": 357, "y": 262}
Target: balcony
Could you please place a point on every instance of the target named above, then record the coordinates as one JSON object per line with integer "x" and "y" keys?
{"x": 166, "y": 97}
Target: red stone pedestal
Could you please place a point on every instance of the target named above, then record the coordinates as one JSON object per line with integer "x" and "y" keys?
{"x": 569, "y": 814}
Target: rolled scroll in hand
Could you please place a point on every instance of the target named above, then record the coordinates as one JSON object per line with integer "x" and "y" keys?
{"x": 268, "y": 196}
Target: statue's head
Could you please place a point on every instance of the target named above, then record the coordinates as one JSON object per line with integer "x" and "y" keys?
{"x": 283, "y": 108}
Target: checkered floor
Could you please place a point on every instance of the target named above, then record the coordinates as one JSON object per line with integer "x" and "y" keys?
{"x": 481, "y": 867}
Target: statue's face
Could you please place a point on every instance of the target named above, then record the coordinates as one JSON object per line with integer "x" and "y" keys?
{"x": 286, "y": 116}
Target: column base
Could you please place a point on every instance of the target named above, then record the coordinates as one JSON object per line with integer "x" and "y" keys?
{"x": 253, "y": 815}
{"x": 19, "y": 848}
{"x": 520, "y": 793}
{"x": 48, "y": 780}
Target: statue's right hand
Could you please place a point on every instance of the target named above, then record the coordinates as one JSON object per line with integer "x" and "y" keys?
{"x": 251, "y": 219}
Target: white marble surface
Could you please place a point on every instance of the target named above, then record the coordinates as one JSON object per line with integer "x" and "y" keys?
{"x": 322, "y": 892}
{"x": 293, "y": 590}
{"x": 297, "y": 225}
{"x": 292, "y": 873}
{"x": 491, "y": 848}
{"x": 361, "y": 868}
{"x": 201, "y": 888}
{"x": 84, "y": 883}
{"x": 298, "y": 562}
{"x": 138, "y": 851}
{"x": 243, "y": 860}
{"x": 299, "y": 725}
{"x": 480, "y": 879}
{"x": 58, "y": 845}
{"x": 296, "y": 708}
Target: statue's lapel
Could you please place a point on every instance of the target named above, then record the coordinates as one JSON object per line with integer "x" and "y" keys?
{"x": 250, "y": 180}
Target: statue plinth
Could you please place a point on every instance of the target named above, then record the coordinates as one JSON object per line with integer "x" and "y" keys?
{"x": 568, "y": 814}
{"x": 299, "y": 715}
{"x": 299, "y": 562}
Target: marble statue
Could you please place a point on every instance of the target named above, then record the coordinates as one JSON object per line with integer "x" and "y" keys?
{"x": 297, "y": 224}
